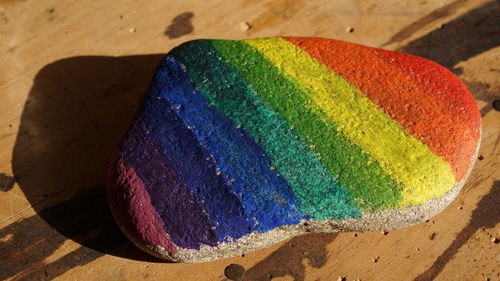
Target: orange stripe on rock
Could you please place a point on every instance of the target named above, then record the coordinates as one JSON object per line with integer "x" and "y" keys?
{"x": 437, "y": 81}
{"x": 400, "y": 97}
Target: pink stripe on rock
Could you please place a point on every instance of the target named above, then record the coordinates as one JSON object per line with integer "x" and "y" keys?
{"x": 131, "y": 206}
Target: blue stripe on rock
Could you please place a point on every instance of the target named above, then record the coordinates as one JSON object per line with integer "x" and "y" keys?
{"x": 267, "y": 198}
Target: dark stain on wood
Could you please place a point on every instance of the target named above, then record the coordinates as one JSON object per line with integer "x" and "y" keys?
{"x": 287, "y": 260}
{"x": 6, "y": 182}
{"x": 180, "y": 26}
{"x": 276, "y": 13}
{"x": 486, "y": 215}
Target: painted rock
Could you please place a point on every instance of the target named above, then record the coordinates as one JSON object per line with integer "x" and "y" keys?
{"x": 241, "y": 144}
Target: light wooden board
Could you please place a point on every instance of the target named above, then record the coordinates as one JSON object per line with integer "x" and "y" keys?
{"x": 73, "y": 72}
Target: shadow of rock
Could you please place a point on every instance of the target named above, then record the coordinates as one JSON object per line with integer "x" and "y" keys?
{"x": 288, "y": 259}
{"x": 486, "y": 215}
{"x": 181, "y": 25}
{"x": 471, "y": 34}
{"x": 76, "y": 112}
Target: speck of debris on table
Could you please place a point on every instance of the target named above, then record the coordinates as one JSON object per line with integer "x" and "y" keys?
{"x": 244, "y": 26}
{"x": 432, "y": 236}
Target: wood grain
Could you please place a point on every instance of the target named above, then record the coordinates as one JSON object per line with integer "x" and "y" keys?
{"x": 73, "y": 73}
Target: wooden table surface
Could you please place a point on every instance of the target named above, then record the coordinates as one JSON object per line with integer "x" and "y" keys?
{"x": 73, "y": 72}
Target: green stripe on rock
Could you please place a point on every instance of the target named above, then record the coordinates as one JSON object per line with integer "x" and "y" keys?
{"x": 365, "y": 179}
{"x": 319, "y": 194}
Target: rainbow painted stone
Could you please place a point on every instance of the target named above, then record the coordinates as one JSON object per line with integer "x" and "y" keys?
{"x": 241, "y": 144}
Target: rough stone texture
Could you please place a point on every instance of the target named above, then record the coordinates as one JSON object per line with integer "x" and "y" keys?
{"x": 241, "y": 144}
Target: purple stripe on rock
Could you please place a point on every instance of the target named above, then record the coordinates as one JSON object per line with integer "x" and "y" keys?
{"x": 185, "y": 220}
{"x": 195, "y": 164}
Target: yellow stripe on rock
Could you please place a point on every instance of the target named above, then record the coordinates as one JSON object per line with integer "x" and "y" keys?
{"x": 421, "y": 174}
